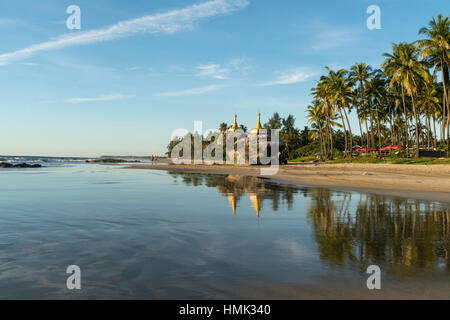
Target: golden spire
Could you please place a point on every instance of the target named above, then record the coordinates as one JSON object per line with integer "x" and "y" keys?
{"x": 232, "y": 201}
{"x": 258, "y": 125}
{"x": 234, "y": 126}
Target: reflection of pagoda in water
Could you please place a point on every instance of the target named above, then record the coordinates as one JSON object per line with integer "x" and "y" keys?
{"x": 236, "y": 186}
{"x": 256, "y": 201}
{"x": 233, "y": 202}
{"x": 254, "y": 198}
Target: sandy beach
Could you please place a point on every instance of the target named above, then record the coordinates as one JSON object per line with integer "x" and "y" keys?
{"x": 425, "y": 182}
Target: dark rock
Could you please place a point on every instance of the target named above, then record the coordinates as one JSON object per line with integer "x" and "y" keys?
{"x": 19, "y": 165}
{"x": 26, "y": 165}
{"x": 6, "y": 165}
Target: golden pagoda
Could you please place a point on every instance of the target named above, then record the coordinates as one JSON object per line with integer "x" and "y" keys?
{"x": 258, "y": 124}
{"x": 234, "y": 126}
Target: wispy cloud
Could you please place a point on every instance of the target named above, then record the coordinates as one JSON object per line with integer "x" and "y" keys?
{"x": 169, "y": 22}
{"x": 190, "y": 92}
{"x": 324, "y": 35}
{"x": 223, "y": 71}
{"x": 214, "y": 71}
{"x": 133, "y": 68}
{"x": 333, "y": 38}
{"x": 239, "y": 64}
{"x": 7, "y": 22}
{"x": 110, "y": 97}
{"x": 291, "y": 77}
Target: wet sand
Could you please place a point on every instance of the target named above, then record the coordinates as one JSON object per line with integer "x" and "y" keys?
{"x": 425, "y": 182}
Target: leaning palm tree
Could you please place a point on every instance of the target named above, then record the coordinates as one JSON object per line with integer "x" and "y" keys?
{"x": 436, "y": 52}
{"x": 404, "y": 68}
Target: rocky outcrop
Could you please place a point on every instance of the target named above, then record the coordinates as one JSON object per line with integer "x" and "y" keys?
{"x": 19, "y": 165}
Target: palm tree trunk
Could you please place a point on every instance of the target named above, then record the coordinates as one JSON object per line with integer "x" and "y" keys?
{"x": 321, "y": 140}
{"x": 327, "y": 142}
{"x": 448, "y": 126}
{"x": 391, "y": 128}
{"x": 350, "y": 132}
{"x": 360, "y": 92}
{"x": 417, "y": 124}
{"x": 345, "y": 131}
{"x": 406, "y": 123}
{"x": 434, "y": 128}
{"x": 445, "y": 103}
{"x": 330, "y": 132}
{"x": 367, "y": 134}
{"x": 360, "y": 128}
{"x": 379, "y": 131}
{"x": 421, "y": 136}
{"x": 372, "y": 137}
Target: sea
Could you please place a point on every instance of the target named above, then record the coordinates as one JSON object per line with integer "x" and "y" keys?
{"x": 151, "y": 234}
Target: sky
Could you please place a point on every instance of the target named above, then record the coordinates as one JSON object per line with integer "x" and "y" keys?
{"x": 138, "y": 70}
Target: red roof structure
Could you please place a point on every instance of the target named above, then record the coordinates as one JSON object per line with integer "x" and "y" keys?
{"x": 391, "y": 147}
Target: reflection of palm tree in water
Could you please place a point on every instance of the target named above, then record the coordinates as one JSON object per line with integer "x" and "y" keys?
{"x": 407, "y": 236}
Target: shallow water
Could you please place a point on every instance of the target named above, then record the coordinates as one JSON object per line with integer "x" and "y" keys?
{"x": 161, "y": 235}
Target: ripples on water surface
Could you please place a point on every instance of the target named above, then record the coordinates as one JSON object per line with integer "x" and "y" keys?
{"x": 161, "y": 235}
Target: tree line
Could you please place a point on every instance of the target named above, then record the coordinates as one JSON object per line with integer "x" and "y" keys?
{"x": 402, "y": 102}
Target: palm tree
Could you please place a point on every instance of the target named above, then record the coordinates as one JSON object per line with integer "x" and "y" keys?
{"x": 223, "y": 127}
{"x": 243, "y": 127}
{"x": 404, "y": 68}
{"x": 393, "y": 60}
{"x": 436, "y": 51}
{"x": 360, "y": 73}
{"x": 341, "y": 96}
{"x": 396, "y": 120}
{"x": 322, "y": 93}
{"x": 375, "y": 93}
{"x": 317, "y": 118}
{"x": 429, "y": 102}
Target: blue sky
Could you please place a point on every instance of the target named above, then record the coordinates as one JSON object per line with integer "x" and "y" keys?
{"x": 121, "y": 85}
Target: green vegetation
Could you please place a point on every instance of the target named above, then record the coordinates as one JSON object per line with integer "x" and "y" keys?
{"x": 401, "y": 103}
{"x": 369, "y": 159}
